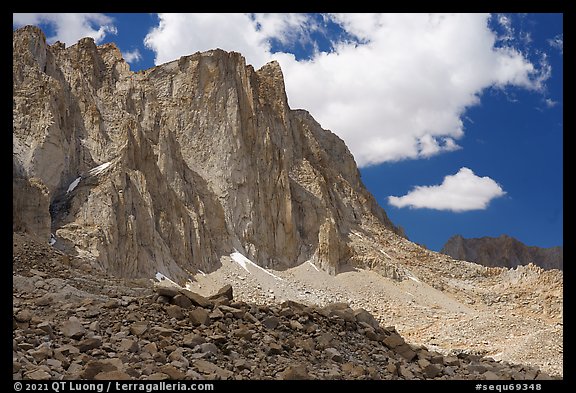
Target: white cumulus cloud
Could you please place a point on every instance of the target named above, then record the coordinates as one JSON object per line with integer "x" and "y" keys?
{"x": 398, "y": 92}
{"x": 133, "y": 56}
{"x": 183, "y": 34}
{"x": 286, "y": 28}
{"x": 461, "y": 192}
{"x": 69, "y": 28}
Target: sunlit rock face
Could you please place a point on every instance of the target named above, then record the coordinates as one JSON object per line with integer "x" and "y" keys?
{"x": 170, "y": 168}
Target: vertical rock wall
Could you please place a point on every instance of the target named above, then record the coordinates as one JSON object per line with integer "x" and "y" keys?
{"x": 178, "y": 165}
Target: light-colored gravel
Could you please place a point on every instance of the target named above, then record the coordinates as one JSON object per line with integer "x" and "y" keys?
{"x": 500, "y": 316}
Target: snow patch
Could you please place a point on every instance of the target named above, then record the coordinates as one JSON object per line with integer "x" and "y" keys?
{"x": 413, "y": 278}
{"x": 384, "y": 252}
{"x": 497, "y": 356}
{"x": 99, "y": 169}
{"x": 201, "y": 272}
{"x": 314, "y": 266}
{"x": 240, "y": 259}
{"x": 160, "y": 277}
{"x": 74, "y": 184}
{"x": 245, "y": 262}
{"x": 188, "y": 286}
{"x": 52, "y": 239}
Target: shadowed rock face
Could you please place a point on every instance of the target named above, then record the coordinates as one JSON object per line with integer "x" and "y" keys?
{"x": 503, "y": 251}
{"x": 170, "y": 168}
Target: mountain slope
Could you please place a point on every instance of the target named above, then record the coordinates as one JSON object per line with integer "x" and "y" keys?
{"x": 503, "y": 251}
{"x": 122, "y": 329}
{"x": 168, "y": 169}
{"x": 199, "y": 169}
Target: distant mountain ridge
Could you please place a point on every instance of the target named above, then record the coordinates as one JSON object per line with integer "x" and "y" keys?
{"x": 502, "y": 251}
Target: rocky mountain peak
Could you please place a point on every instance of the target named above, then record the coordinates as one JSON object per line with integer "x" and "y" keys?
{"x": 271, "y": 75}
{"x": 203, "y": 156}
{"x": 198, "y": 173}
{"x": 503, "y": 251}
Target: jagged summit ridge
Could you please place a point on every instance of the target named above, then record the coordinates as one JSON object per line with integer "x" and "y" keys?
{"x": 205, "y": 156}
{"x": 504, "y": 251}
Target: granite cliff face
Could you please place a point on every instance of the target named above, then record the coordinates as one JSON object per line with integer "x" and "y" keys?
{"x": 503, "y": 251}
{"x": 187, "y": 169}
{"x": 170, "y": 168}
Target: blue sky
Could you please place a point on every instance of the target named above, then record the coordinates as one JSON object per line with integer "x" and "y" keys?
{"x": 456, "y": 121}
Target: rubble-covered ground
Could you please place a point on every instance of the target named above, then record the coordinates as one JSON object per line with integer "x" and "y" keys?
{"x": 71, "y": 321}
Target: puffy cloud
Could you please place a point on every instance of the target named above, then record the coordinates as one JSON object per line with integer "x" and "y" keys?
{"x": 249, "y": 34}
{"x": 403, "y": 93}
{"x": 286, "y": 28}
{"x": 183, "y": 34}
{"x": 398, "y": 91}
{"x": 393, "y": 87}
{"x": 69, "y": 28}
{"x": 461, "y": 192}
{"x": 132, "y": 56}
